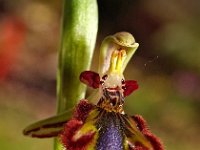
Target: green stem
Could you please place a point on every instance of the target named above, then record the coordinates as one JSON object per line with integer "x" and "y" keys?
{"x": 79, "y": 29}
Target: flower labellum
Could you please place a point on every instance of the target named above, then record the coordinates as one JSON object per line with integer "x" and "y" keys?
{"x": 106, "y": 126}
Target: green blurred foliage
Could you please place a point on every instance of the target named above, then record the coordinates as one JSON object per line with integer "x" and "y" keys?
{"x": 166, "y": 66}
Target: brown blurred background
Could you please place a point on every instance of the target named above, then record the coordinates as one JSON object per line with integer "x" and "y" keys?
{"x": 166, "y": 65}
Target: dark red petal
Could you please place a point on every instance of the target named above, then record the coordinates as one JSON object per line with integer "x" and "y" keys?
{"x": 82, "y": 110}
{"x": 143, "y": 127}
{"x": 72, "y": 126}
{"x": 130, "y": 86}
{"x": 155, "y": 141}
{"x": 90, "y": 78}
{"x": 141, "y": 123}
{"x": 70, "y": 129}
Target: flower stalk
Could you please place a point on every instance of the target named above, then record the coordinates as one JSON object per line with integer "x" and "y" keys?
{"x": 79, "y": 29}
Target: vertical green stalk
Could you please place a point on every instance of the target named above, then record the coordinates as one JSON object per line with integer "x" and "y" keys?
{"x": 78, "y": 36}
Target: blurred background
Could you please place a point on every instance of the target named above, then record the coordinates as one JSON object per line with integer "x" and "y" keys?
{"x": 166, "y": 66}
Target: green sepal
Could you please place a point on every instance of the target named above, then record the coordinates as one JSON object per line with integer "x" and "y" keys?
{"x": 49, "y": 127}
{"x": 120, "y": 40}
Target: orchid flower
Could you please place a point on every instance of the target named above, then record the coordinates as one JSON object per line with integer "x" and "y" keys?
{"x": 104, "y": 125}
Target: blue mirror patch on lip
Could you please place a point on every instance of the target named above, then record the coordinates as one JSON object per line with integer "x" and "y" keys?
{"x": 110, "y": 133}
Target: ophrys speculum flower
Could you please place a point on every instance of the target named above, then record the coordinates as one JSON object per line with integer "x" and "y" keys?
{"x": 106, "y": 126}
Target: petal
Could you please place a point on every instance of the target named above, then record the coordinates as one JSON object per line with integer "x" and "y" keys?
{"x": 73, "y": 139}
{"x": 82, "y": 109}
{"x": 143, "y": 127}
{"x": 95, "y": 128}
{"x": 90, "y": 78}
{"x": 130, "y": 86}
{"x": 79, "y": 133}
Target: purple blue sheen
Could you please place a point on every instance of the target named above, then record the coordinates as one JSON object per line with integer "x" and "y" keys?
{"x": 110, "y": 133}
